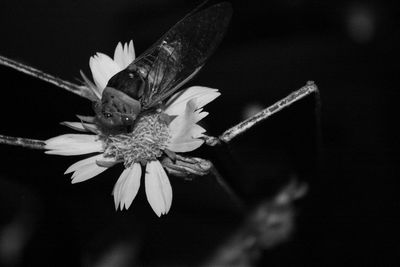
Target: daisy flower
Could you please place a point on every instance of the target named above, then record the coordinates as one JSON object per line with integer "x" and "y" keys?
{"x": 162, "y": 132}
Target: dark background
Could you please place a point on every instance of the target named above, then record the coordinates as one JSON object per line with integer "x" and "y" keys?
{"x": 351, "y": 212}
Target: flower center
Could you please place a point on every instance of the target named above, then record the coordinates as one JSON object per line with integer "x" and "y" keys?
{"x": 145, "y": 143}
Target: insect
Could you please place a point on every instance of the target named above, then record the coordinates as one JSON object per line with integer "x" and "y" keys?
{"x": 162, "y": 69}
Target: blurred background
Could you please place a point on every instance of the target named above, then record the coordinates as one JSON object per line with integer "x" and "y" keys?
{"x": 346, "y": 165}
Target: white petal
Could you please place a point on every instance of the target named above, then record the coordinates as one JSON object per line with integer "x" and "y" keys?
{"x": 186, "y": 145}
{"x": 131, "y": 186}
{"x": 86, "y": 172}
{"x": 127, "y": 186}
{"x": 119, "y": 186}
{"x": 202, "y": 115}
{"x": 87, "y": 161}
{"x": 124, "y": 55}
{"x": 158, "y": 188}
{"x": 184, "y": 130}
{"x": 80, "y": 126}
{"x": 86, "y": 169}
{"x": 88, "y": 119}
{"x": 73, "y": 144}
{"x": 203, "y": 95}
{"x": 118, "y": 55}
{"x": 131, "y": 51}
{"x": 103, "y": 68}
{"x": 77, "y": 126}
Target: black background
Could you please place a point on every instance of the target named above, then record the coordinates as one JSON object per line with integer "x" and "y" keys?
{"x": 348, "y": 48}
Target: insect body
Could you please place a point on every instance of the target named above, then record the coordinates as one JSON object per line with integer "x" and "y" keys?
{"x": 160, "y": 71}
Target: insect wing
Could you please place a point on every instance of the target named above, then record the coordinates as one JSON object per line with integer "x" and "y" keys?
{"x": 181, "y": 52}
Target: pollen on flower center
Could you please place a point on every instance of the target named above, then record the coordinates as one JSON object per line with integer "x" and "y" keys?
{"x": 146, "y": 142}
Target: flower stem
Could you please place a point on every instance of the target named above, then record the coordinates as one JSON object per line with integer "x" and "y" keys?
{"x": 264, "y": 114}
{"x": 24, "y": 142}
{"x": 222, "y": 182}
{"x": 80, "y": 90}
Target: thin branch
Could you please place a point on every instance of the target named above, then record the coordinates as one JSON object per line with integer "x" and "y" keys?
{"x": 189, "y": 167}
{"x": 245, "y": 125}
{"x": 24, "y": 142}
{"x": 80, "y": 90}
{"x": 221, "y": 181}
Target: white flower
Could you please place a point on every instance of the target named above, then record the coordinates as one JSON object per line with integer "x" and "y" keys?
{"x": 152, "y": 135}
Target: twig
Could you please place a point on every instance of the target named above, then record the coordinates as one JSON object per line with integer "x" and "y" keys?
{"x": 80, "y": 90}
{"x": 188, "y": 167}
{"x": 245, "y": 125}
{"x": 24, "y": 142}
{"x": 221, "y": 181}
